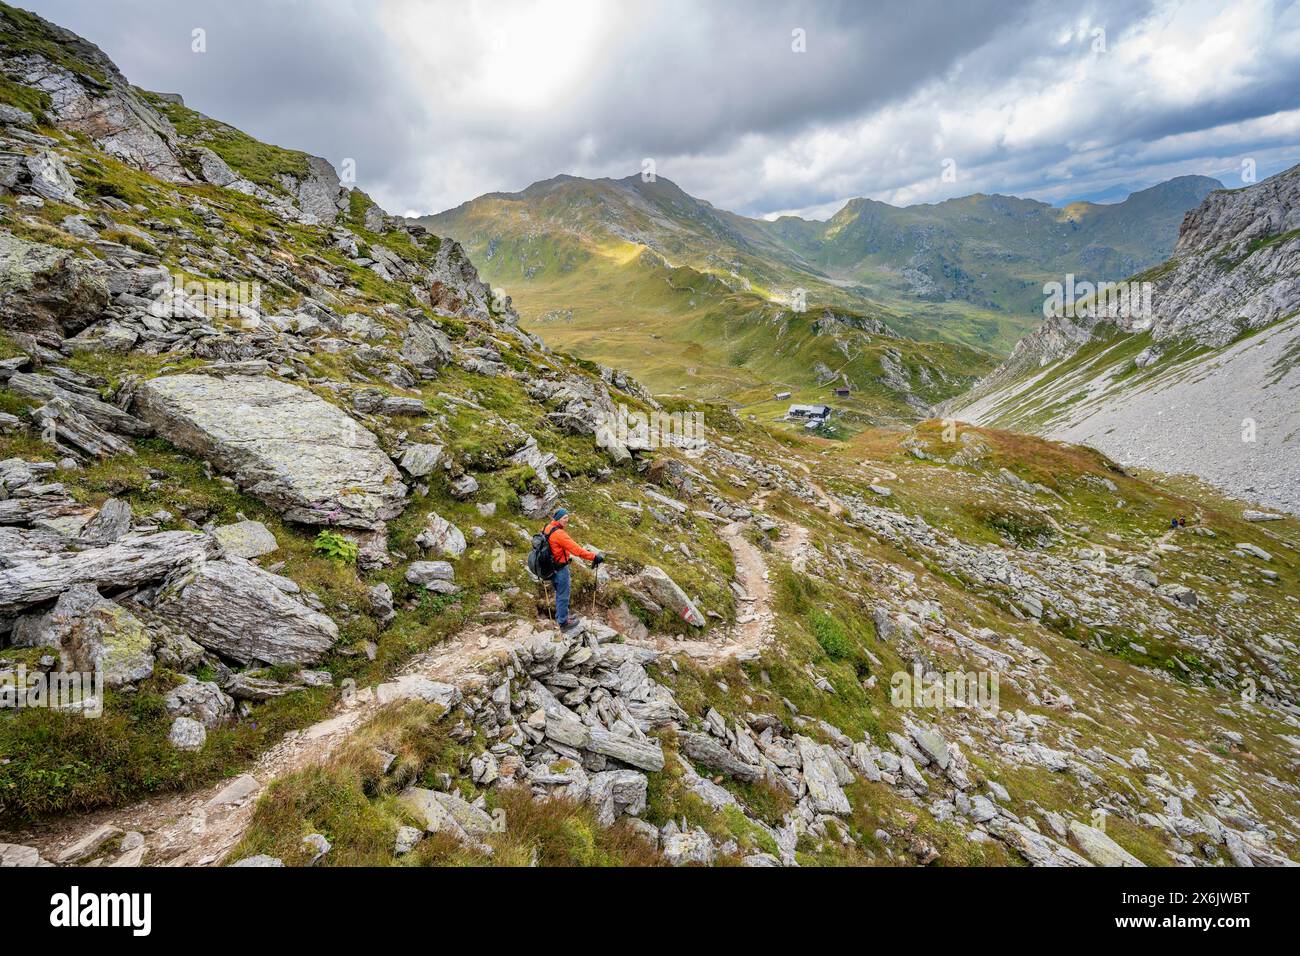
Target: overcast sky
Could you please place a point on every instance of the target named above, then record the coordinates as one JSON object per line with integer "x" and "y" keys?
{"x": 440, "y": 101}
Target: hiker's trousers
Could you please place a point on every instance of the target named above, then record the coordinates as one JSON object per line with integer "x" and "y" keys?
{"x": 562, "y": 595}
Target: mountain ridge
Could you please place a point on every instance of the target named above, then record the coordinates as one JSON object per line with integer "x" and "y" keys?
{"x": 1219, "y": 349}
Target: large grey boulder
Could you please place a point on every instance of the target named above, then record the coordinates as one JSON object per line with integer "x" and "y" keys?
{"x": 110, "y": 523}
{"x": 820, "y": 778}
{"x": 318, "y": 193}
{"x": 441, "y": 536}
{"x": 1100, "y": 848}
{"x": 105, "y": 108}
{"x": 418, "y": 687}
{"x": 187, "y": 734}
{"x": 614, "y": 793}
{"x": 565, "y": 728}
{"x": 1038, "y": 849}
{"x": 249, "y": 615}
{"x": 692, "y": 847}
{"x": 712, "y": 754}
{"x": 13, "y": 116}
{"x": 95, "y": 634}
{"x": 419, "y": 460}
{"x": 281, "y": 443}
{"x": 455, "y": 287}
{"x": 41, "y": 173}
{"x": 124, "y": 563}
{"x": 654, "y": 584}
{"x": 430, "y": 573}
{"x": 67, "y": 428}
{"x": 446, "y": 813}
{"x": 406, "y": 840}
{"x": 213, "y": 168}
{"x": 16, "y": 855}
{"x": 89, "y": 845}
{"x": 47, "y": 389}
{"x": 245, "y": 539}
{"x": 536, "y": 505}
{"x": 425, "y": 346}
{"x": 931, "y": 743}
{"x": 48, "y": 289}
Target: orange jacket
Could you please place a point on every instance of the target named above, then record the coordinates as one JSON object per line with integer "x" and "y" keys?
{"x": 563, "y": 547}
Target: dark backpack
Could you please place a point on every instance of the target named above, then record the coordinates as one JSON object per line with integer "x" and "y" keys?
{"x": 540, "y": 560}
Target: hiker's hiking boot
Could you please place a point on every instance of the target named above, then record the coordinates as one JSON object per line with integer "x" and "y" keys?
{"x": 574, "y": 624}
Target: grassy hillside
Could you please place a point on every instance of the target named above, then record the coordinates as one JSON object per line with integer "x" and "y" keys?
{"x": 645, "y": 275}
{"x": 688, "y": 332}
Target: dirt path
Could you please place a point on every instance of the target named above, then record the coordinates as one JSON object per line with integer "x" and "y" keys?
{"x": 755, "y": 619}
{"x": 198, "y": 828}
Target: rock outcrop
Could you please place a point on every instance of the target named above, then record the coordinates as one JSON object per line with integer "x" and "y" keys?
{"x": 246, "y": 614}
{"x": 1213, "y": 393}
{"x": 47, "y": 289}
{"x": 92, "y": 634}
{"x": 98, "y": 102}
{"x": 281, "y": 443}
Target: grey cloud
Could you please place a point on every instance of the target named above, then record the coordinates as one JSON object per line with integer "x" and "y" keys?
{"x": 711, "y": 90}
{"x": 312, "y": 76}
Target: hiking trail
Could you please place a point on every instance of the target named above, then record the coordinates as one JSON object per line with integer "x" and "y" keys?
{"x": 199, "y": 828}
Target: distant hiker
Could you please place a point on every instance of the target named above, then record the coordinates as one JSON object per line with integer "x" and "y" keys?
{"x": 561, "y": 549}
{"x": 1182, "y": 522}
{"x": 1173, "y": 522}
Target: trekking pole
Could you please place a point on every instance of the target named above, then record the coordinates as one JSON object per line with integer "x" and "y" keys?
{"x": 596, "y": 585}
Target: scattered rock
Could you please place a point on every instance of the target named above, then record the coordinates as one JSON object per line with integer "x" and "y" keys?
{"x": 1100, "y": 848}
{"x": 245, "y": 539}
{"x": 691, "y": 847}
{"x": 660, "y": 590}
{"x": 15, "y": 855}
{"x": 442, "y": 536}
{"x": 419, "y": 460}
{"x": 187, "y": 734}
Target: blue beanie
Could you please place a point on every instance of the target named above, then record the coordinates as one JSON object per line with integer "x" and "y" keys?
{"x": 560, "y": 513}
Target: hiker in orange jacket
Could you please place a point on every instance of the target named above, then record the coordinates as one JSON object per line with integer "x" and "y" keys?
{"x": 563, "y": 548}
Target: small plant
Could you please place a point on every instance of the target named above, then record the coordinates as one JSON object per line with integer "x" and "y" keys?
{"x": 334, "y": 545}
{"x": 830, "y": 635}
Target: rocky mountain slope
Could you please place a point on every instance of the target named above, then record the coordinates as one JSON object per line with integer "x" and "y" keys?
{"x": 1209, "y": 387}
{"x": 289, "y": 530}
